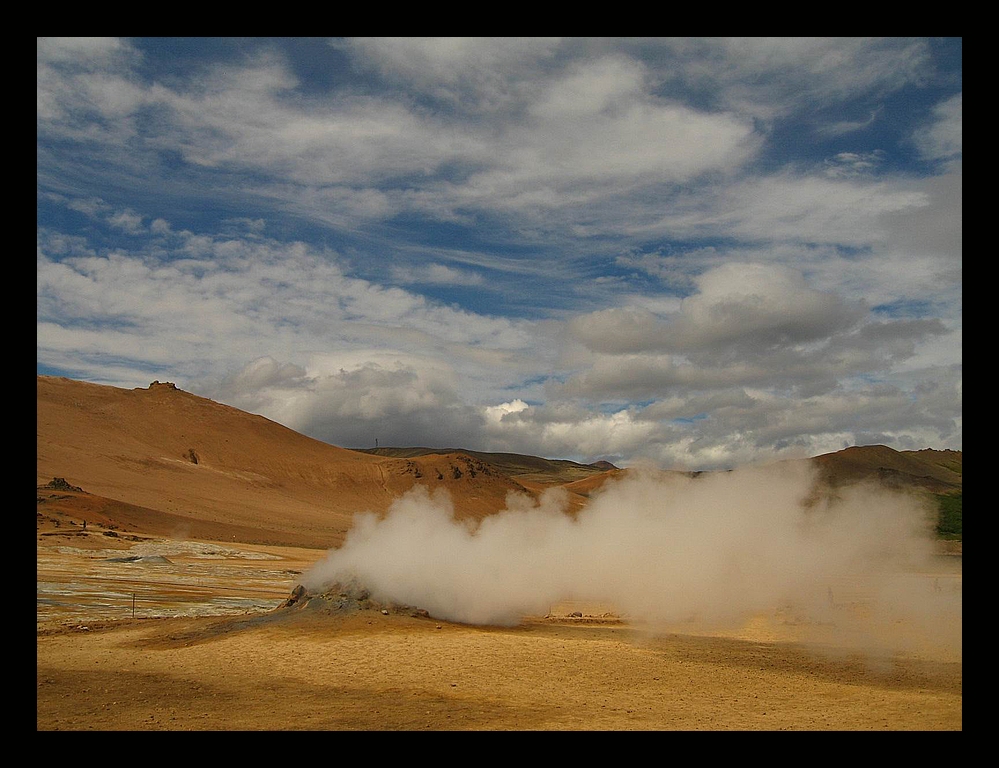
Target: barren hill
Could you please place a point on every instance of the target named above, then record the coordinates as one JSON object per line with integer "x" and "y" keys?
{"x": 167, "y": 459}
{"x": 529, "y": 469}
{"x": 929, "y": 470}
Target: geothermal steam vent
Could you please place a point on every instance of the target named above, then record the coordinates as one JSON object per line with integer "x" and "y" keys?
{"x": 342, "y": 598}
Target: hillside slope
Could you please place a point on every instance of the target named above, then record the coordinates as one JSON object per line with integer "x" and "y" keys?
{"x": 193, "y": 459}
{"x": 928, "y": 470}
{"x": 530, "y": 469}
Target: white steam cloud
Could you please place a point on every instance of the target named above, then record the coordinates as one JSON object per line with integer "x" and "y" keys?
{"x": 664, "y": 548}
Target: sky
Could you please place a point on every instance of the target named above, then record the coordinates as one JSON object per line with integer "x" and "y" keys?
{"x": 691, "y": 253}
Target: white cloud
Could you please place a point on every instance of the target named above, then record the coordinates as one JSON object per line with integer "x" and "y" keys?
{"x": 473, "y": 73}
{"x": 798, "y": 209}
{"x": 769, "y": 77}
{"x": 127, "y": 221}
{"x": 755, "y": 306}
{"x": 83, "y": 89}
{"x": 569, "y": 432}
{"x": 848, "y": 126}
{"x": 81, "y": 51}
{"x": 401, "y": 404}
{"x": 847, "y": 164}
{"x": 942, "y": 139}
{"x": 242, "y": 119}
{"x": 587, "y": 127}
{"x": 436, "y": 274}
{"x": 214, "y": 300}
{"x": 620, "y": 330}
{"x": 597, "y": 127}
{"x": 758, "y": 305}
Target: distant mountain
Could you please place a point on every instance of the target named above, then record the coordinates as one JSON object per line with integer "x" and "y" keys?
{"x": 530, "y": 469}
{"x": 929, "y": 470}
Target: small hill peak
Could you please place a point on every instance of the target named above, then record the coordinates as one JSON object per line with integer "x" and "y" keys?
{"x": 602, "y": 464}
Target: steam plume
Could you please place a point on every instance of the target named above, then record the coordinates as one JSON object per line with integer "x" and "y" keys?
{"x": 662, "y": 548}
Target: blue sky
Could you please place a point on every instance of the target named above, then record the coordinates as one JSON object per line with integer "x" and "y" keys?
{"x": 695, "y": 252}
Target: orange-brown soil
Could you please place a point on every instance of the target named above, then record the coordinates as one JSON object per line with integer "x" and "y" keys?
{"x": 198, "y": 643}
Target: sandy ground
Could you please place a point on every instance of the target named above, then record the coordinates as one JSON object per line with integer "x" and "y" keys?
{"x": 142, "y": 633}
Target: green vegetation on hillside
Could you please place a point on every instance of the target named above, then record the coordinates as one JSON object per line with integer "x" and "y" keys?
{"x": 949, "y": 517}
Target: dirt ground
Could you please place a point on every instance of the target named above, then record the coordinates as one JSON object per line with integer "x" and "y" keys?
{"x": 147, "y": 634}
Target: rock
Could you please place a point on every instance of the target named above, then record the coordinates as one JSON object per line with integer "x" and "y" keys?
{"x": 296, "y": 594}
{"x": 343, "y": 597}
{"x": 60, "y": 484}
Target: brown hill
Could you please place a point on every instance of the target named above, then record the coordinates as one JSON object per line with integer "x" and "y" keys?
{"x": 589, "y": 485}
{"x": 928, "y": 470}
{"x": 178, "y": 461}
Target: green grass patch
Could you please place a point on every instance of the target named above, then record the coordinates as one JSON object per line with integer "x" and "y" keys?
{"x": 949, "y": 516}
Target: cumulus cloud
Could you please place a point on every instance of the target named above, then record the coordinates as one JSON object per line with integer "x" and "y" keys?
{"x": 763, "y": 305}
{"x": 243, "y": 120}
{"x": 565, "y": 429}
{"x": 755, "y": 358}
{"x": 496, "y": 413}
{"x": 620, "y": 330}
{"x": 402, "y": 400}
{"x": 421, "y": 417}
{"x": 753, "y": 306}
{"x": 593, "y": 123}
{"x": 595, "y": 128}
{"x": 257, "y": 385}
{"x": 128, "y": 221}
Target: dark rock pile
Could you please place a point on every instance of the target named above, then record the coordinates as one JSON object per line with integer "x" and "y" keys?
{"x": 348, "y": 597}
{"x": 60, "y": 484}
